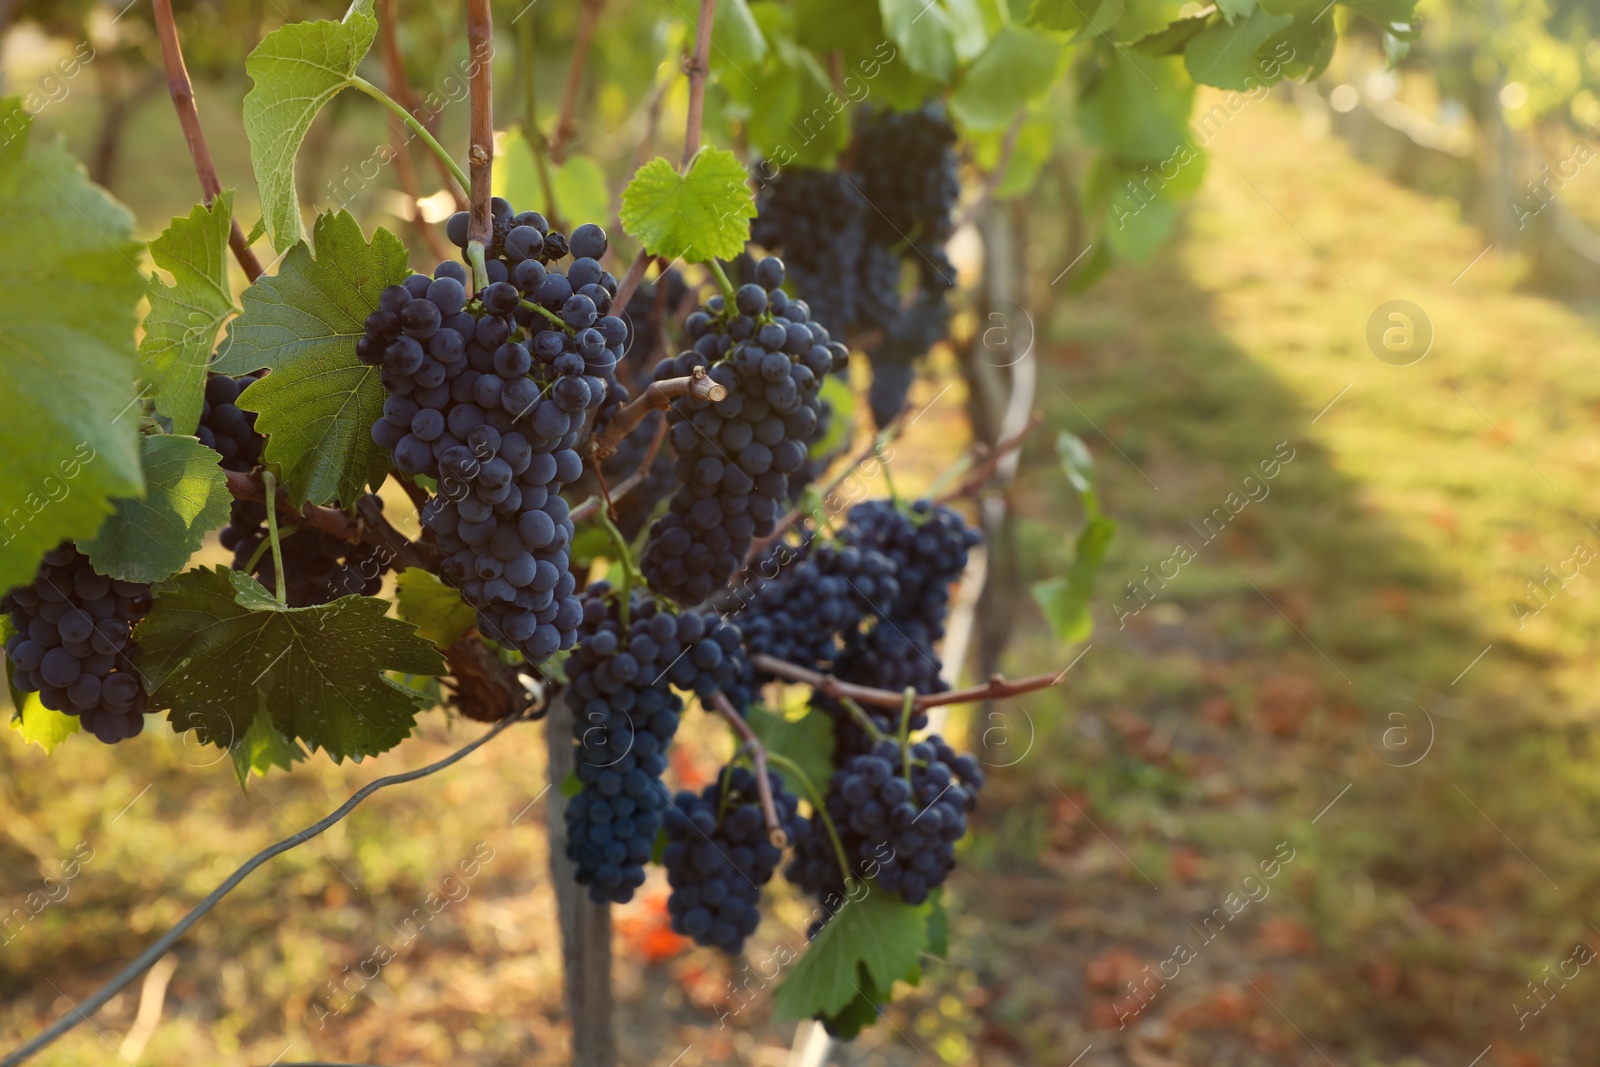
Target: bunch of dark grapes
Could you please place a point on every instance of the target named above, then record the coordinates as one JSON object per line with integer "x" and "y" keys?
{"x": 898, "y": 647}
{"x": 803, "y": 604}
{"x": 225, "y": 427}
{"x": 318, "y": 568}
{"x": 899, "y": 829}
{"x": 818, "y": 220}
{"x": 489, "y": 397}
{"x": 621, "y": 680}
{"x": 906, "y": 339}
{"x": 909, "y": 173}
{"x": 72, "y": 627}
{"x": 719, "y": 855}
{"x": 736, "y": 457}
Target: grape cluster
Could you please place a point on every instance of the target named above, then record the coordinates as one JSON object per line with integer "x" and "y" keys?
{"x": 718, "y": 856}
{"x": 909, "y": 173}
{"x": 737, "y": 457}
{"x": 928, "y": 547}
{"x": 809, "y": 602}
{"x": 624, "y": 715}
{"x": 817, "y": 219}
{"x": 848, "y": 235}
{"x": 897, "y": 828}
{"x": 71, "y": 629}
{"x": 489, "y": 397}
{"x": 317, "y": 568}
{"x": 228, "y": 429}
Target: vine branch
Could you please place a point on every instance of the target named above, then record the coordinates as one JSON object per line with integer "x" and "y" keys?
{"x": 400, "y": 88}
{"x": 569, "y": 92}
{"x": 698, "y": 70}
{"x": 984, "y": 461}
{"x": 591, "y": 507}
{"x": 164, "y": 944}
{"x": 997, "y": 688}
{"x": 658, "y": 397}
{"x": 480, "y": 38}
{"x": 631, "y": 279}
{"x": 331, "y": 521}
{"x": 758, "y": 756}
{"x": 182, "y": 92}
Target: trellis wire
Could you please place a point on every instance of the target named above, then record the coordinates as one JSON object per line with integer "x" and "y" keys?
{"x": 148, "y": 958}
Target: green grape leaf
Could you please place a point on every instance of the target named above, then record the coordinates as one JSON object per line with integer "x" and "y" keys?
{"x": 1302, "y": 49}
{"x": 296, "y": 70}
{"x": 217, "y": 649}
{"x": 1139, "y": 107}
{"x": 1065, "y": 600}
{"x": 318, "y": 405}
{"x": 861, "y": 1012}
{"x": 185, "y": 318}
{"x": 1233, "y": 10}
{"x": 695, "y": 216}
{"x": 437, "y": 611}
{"x": 838, "y": 395}
{"x": 256, "y": 231}
{"x": 735, "y": 38}
{"x": 1174, "y": 38}
{"x": 921, "y": 30}
{"x": 70, "y": 284}
{"x": 262, "y": 748}
{"x": 966, "y": 24}
{"x": 571, "y": 785}
{"x": 1018, "y": 65}
{"x": 150, "y": 538}
{"x": 824, "y": 26}
{"x": 38, "y": 725}
{"x": 1077, "y": 17}
{"x": 1224, "y": 54}
{"x": 1135, "y": 229}
{"x": 806, "y": 739}
{"x": 1385, "y": 12}
{"x": 877, "y": 933}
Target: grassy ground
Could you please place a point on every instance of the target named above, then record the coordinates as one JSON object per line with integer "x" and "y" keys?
{"x": 1244, "y": 716}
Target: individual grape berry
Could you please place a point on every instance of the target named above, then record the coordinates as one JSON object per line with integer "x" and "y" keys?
{"x": 719, "y": 855}
{"x": 71, "y": 630}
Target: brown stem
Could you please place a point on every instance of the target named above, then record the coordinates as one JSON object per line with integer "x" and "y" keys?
{"x": 480, "y": 38}
{"x": 997, "y": 687}
{"x": 987, "y": 461}
{"x": 631, "y": 279}
{"x": 330, "y": 521}
{"x": 658, "y": 397}
{"x": 189, "y": 118}
{"x": 376, "y": 530}
{"x": 699, "y": 70}
{"x": 758, "y": 756}
{"x": 487, "y": 690}
{"x": 394, "y": 66}
{"x": 992, "y": 180}
{"x": 589, "y": 508}
{"x": 885, "y": 437}
{"x": 569, "y": 93}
